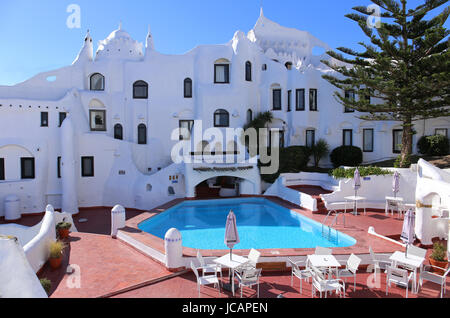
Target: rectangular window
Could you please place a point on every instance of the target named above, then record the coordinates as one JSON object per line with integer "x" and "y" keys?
{"x": 87, "y": 166}
{"x": 186, "y": 129}
{"x": 349, "y": 94}
{"x": 44, "y": 119}
{"x": 59, "y": 167}
{"x": 62, "y": 116}
{"x": 347, "y": 137}
{"x": 313, "y": 99}
{"x": 187, "y": 88}
{"x": 97, "y": 120}
{"x": 310, "y": 138}
{"x": 280, "y": 141}
{"x": 2, "y": 169}
{"x": 221, "y": 73}
{"x": 289, "y": 95}
{"x": 300, "y": 99}
{"x": 397, "y": 136}
{"x": 368, "y": 140}
{"x": 27, "y": 168}
{"x": 441, "y": 131}
{"x": 276, "y": 94}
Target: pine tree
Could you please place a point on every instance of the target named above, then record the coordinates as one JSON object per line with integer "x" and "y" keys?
{"x": 403, "y": 75}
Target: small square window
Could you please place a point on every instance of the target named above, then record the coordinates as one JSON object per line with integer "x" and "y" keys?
{"x": 87, "y": 166}
{"x": 27, "y": 168}
{"x": 441, "y": 131}
{"x": 222, "y": 73}
{"x": 2, "y": 169}
{"x": 397, "y": 140}
{"x": 62, "y": 116}
{"x": 313, "y": 99}
{"x": 97, "y": 120}
{"x": 276, "y": 95}
{"x": 44, "y": 119}
{"x": 368, "y": 140}
{"x": 347, "y": 137}
{"x": 59, "y": 167}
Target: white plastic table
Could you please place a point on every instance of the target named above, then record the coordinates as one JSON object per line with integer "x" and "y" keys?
{"x": 324, "y": 261}
{"x": 232, "y": 264}
{"x": 395, "y": 199}
{"x": 411, "y": 261}
{"x": 355, "y": 199}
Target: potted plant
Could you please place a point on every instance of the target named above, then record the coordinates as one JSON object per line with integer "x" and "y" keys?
{"x": 46, "y": 284}
{"x": 63, "y": 229}
{"x": 438, "y": 258}
{"x": 56, "y": 251}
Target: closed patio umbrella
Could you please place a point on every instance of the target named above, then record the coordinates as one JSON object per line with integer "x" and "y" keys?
{"x": 396, "y": 183}
{"x": 231, "y": 232}
{"x": 408, "y": 233}
{"x": 356, "y": 186}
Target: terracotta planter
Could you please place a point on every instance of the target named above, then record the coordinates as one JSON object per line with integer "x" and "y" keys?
{"x": 55, "y": 263}
{"x": 63, "y": 233}
{"x": 443, "y": 264}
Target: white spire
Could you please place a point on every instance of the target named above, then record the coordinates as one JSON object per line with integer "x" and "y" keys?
{"x": 149, "y": 45}
{"x": 120, "y": 25}
{"x": 87, "y": 51}
{"x": 261, "y": 12}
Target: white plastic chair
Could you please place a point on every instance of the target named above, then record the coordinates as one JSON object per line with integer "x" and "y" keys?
{"x": 205, "y": 280}
{"x": 323, "y": 285}
{"x": 398, "y": 276}
{"x": 323, "y": 251}
{"x": 208, "y": 268}
{"x": 379, "y": 264}
{"x": 394, "y": 206}
{"x": 301, "y": 274}
{"x": 248, "y": 277}
{"x": 351, "y": 269}
{"x": 428, "y": 275}
{"x": 253, "y": 257}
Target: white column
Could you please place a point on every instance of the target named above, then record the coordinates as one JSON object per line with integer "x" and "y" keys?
{"x": 173, "y": 246}
{"x": 118, "y": 219}
{"x": 68, "y": 168}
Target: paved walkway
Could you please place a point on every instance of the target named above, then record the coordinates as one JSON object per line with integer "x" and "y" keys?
{"x": 274, "y": 284}
{"x": 106, "y": 265}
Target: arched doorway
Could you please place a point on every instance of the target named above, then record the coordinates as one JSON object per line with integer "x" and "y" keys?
{"x": 219, "y": 187}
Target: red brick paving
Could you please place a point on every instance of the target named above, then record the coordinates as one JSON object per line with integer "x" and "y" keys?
{"x": 274, "y": 284}
{"x": 106, "y": 265}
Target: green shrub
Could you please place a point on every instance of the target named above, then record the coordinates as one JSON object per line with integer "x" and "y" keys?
{"x": 63, "y": 226}
{"x": 406, "y": 164}
{"x": 319, "y": 151}
{"x": 292, "y": 159}
{"x": 342, "y": 173}
{"x": 423, "y": 146}
{"x": 439, "y": 252}
{"x": 346, "y": 156}
{"x": 437, "y": 145}
{"x": 46, "y": 284}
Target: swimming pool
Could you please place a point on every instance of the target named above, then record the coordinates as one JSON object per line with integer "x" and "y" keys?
{"x": 261, "y": 223}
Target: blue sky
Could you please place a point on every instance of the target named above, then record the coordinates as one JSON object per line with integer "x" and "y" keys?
{"x": 35, "y": 37}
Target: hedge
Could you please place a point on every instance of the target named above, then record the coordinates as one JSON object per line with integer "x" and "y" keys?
{"x": 346, "y": 156}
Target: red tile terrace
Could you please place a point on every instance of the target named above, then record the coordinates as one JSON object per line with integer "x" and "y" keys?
{"x": 111, "y": 268}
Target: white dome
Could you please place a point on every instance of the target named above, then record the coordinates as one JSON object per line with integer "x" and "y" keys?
{"x": 119, "y": 44}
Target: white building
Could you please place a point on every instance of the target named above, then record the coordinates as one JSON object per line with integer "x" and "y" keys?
{"x": 121, "y": 105}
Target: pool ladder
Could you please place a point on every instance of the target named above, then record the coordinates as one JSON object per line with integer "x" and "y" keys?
{"x": 327, "y": 230}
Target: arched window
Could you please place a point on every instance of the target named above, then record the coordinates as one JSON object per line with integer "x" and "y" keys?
{"x": 118, "y": 132}
{"x": 248, "y": 71}
{"x": 221, "y": 118}
{"x": 140, "y": 90}
{"x": 249, "y": 116}
{"x": 142, "y": 134}
{"x": 97, "y": 82}
{"x": 187, "y": 88}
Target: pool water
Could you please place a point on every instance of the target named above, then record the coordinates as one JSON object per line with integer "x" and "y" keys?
{"x": 261, "y": 224}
